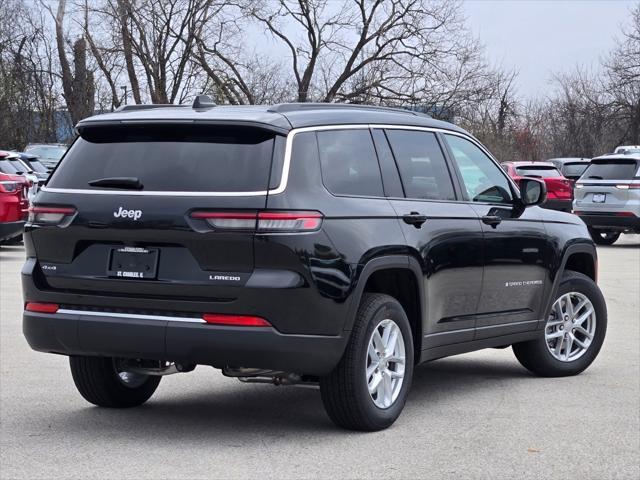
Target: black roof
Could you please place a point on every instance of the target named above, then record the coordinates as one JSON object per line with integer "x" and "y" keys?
{"x": 280, "y": 118}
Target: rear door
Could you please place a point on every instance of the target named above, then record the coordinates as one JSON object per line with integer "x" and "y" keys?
{"x": 605, "y": 185}
{"x": 443, "y": 234}
{"x": 150, "y": 205}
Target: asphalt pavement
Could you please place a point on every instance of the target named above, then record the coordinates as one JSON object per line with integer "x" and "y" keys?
{"x": 479, "y": 415}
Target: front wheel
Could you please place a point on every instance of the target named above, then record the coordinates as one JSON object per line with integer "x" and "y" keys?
{"x": 604, "y": 237}
{"x": 368, "y": 388}
{"x": 573, "y": 334}
{"x": 106, "y": 383}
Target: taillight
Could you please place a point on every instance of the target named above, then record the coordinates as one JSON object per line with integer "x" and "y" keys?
{"x": 228, "y": 220}
{"x": 41, "y": 307}
{"x": 43, "y": 215}
{"x": 9, "y": 186}
{"x": 235, "y": 320}
{"x": 289, "y": 221}
{"x": 628, "y": 186}
{"x": 267, "y": 221}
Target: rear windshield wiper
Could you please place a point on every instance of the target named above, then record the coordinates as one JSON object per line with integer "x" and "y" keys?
{"x": 129, "y": 183}
{"x": 596, "y": 177}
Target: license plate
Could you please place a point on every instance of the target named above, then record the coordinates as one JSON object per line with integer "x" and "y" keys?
{"x": 599, "y": 197}
{"x": 133, "y": 262}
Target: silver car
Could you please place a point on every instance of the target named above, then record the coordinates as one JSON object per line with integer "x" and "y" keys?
{"x": 607, "y": 197}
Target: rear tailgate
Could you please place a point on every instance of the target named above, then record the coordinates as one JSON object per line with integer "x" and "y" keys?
{"x": 146, "y": 241}
{"x": 605, "y": 185}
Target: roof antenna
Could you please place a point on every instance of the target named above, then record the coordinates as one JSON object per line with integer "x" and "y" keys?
{"x": 203, "y": 101}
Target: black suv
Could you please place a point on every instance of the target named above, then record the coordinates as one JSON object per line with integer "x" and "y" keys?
{"x": 298, "y": 243}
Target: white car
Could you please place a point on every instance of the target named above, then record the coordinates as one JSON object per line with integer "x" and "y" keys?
{"x": 625, "y": 149}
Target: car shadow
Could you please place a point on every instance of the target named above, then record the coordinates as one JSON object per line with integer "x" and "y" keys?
{"x": 240, "y": 412}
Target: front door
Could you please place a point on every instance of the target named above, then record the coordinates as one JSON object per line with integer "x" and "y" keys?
{"x": 514, "y": 246}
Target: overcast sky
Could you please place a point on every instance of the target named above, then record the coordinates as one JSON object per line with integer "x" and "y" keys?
{"x": 541, "y": 37}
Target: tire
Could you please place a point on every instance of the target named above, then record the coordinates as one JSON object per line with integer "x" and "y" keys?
{"x": 98, "y": 381}
{"x": 536, "y": 356}
{"x": 345, "y": 391}
{"x": 604, "y": 237}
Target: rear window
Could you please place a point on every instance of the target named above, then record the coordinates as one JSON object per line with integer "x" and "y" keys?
{"x": 6, "y": 166}
{"x": 349, "y": 163}
{"x": 186, "y": 158}
{"x": 611, "y": 170}
{"x": 49, "y": 152}
{"x": 37, "y": 166}
{"x": 542, "y": 172}
{"x": 574, "y": 169}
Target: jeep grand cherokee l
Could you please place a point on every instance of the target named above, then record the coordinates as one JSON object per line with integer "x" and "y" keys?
{"x": 298, "y": 243}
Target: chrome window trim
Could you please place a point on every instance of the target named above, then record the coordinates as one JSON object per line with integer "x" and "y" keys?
{"x": 159, "y": 318}
{"x": 284, "y": 179}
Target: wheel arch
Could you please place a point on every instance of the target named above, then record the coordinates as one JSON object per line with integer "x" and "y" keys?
{"x": 581, "y": 258}
{"x": 400, "y": 277}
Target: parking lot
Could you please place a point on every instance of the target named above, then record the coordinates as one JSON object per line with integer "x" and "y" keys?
{"x": 479, "y": 415}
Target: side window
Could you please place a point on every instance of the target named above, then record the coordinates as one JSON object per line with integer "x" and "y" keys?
{"x": 349, "y": 163}
{"x": 482, "y": 178}
{"x": 421, "y": 163}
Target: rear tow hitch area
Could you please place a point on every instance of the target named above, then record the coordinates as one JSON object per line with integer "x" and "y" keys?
{"x": 153, "y": 367}
{"x": 274, "y": 377}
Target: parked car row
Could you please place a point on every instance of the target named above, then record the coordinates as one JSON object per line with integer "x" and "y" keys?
{"x": 14, "y": 205}
{"x": 603, "y": 191}
{"x": 21, "y": 176}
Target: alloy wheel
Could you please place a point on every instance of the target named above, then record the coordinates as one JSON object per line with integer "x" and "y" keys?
{"x": 570, "y": 327}
{"x": 385, "y": 363}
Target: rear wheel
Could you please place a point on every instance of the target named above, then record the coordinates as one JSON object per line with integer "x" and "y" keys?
{"x": 369, "y": 387}
{"x": 573, "y": 334}
{"x": 104, "y": 382}
{"x": 604, "y": 237}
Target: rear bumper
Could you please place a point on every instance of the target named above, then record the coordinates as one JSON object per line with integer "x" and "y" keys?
{"x": 610, "y": 221}
{"x": 561, "y": 205}
{"x": 181, "y": 341}
{"x": 10, "y": 229}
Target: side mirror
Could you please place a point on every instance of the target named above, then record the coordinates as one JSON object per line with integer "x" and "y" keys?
{"x": 532, "y": 191}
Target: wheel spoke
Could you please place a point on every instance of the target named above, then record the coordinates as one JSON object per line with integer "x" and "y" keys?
{"x": 582, "y": 318}
{"x": 584, "y": 332}
{"x": 377, "y": 341}
{"x": 556, "y": 334}
{"x": 568, "y": 346}
{"x": 557, "y": 308}
{"x": 559, "y": 344}
{"x": 582, "y": 344}
{"x": 388, "y": 391}
{"x": 580, "y": 306}
{"x": 387, "y": 329}
{"x": 370, "y": 369}
{"x": 395, "y": 374}
{"x": 391, "y": 343}
{"x": 373, "y": 355}
{"x": 375, "y": 383}
{"x": 396, "y": 359}
{"x": 569, "y": 306}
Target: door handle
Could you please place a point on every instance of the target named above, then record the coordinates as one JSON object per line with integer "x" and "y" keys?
{"x": 414, "y": 218}
{"x": 492, "y": 220}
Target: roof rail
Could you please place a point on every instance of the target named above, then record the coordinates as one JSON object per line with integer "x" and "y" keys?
{"x": 293, "y": 107}
{"x": 145, "y": 106}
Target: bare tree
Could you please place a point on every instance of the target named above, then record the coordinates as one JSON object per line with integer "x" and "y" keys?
{"x": 410, "y": 52}
{"x": 77, "y": 85}
{"x": 623, "y": 75}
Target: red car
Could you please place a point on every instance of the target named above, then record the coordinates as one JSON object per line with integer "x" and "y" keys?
{"x": 14, "y": 205}
{"x": 559, "y": 188}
